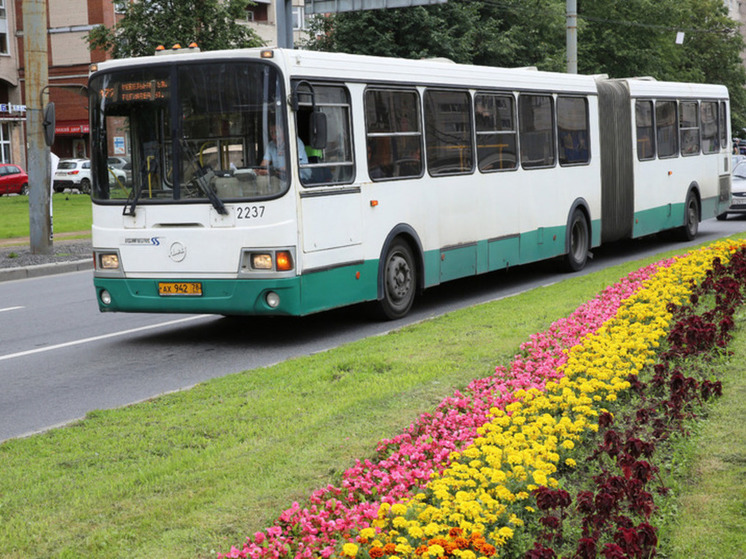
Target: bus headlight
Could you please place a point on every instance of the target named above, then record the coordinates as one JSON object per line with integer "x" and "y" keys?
{"x": 108, "y": 261}
{"x": 267, "y": 262}
{"x": 261, "y": 261}
{"x": 105, "y": 297}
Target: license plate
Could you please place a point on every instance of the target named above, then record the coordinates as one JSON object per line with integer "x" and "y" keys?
{"x": 180, "y": 288}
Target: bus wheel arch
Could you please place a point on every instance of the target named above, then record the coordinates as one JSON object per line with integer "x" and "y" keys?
{"x": 692, "y": 214}
{"x": 577, "y": 237}
{"x": 400, "y": 273}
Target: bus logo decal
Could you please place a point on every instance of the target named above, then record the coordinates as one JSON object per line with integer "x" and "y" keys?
{"x": 150, "y": 241}
{"x": 177, "y": 252}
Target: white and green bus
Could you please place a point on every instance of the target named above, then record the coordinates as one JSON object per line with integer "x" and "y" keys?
{"x": 287, "y": 182}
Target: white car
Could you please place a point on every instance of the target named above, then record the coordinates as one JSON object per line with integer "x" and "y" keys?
{"x": 73, "y": 173}
{"x": 118, "y": 175}
{"x": 738, "y": 191}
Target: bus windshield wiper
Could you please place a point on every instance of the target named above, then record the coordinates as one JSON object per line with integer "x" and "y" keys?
{"x": 200, "y": 177}
{"x": 129, "y": 205}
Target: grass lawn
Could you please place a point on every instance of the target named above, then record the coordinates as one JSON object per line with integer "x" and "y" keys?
{"x": 192, "y": 473}
{"x": 71, "y": 213}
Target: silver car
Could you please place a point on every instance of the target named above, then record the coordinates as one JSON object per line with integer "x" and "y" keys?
{"x": 738, "y": 191}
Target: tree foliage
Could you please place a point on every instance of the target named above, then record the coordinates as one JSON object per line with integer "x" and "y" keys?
{"x": 621, "y": 38}
{"x": 212, "y": 24}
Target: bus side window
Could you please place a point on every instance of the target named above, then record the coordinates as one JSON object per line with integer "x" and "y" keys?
{"x": 644, "y": 126}
{"x": 708, "y": 120}
{"x": 689, "y": 127}
{"x": 448, "y": 132}
{"x": 333, "y": 164}
{"x": 497, "y": 138}
{"x": 536, "y": 124}
{"x": 572, "y": 130}
{"x": 723, "y": 119}
{"x": 666, "y": 127}
{"x": 393, "y": 132}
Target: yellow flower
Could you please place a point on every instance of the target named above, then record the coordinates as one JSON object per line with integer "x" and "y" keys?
{"x": 349, "y": 549}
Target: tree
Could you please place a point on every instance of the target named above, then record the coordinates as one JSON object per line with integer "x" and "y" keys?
{"x": 149, "y": 23}
{"x": 621, "y": 38}
{"x": 508, "y": 33}
{"x": 624, "y": 38}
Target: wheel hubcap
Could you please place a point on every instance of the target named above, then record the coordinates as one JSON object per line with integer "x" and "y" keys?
{"x": 398, "y": 278}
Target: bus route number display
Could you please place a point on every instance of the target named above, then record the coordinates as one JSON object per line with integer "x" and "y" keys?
{"x": 136, "y": 91}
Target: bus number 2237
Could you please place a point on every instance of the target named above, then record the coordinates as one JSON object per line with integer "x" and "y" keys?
{"x": 249, "y": 212}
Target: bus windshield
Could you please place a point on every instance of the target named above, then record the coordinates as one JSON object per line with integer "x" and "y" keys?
{"x": 189, "y": 132}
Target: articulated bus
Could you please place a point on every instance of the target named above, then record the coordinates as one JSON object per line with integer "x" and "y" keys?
{"x": 287, "y": 182}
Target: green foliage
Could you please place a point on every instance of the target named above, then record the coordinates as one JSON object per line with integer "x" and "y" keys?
{"x": 72, "y": 213}
{"x": 638, "y": 38}
{"x": 149, "y": 23}
{"x": 621, "y": 38}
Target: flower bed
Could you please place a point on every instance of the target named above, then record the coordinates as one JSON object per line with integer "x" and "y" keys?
{"x": 479, "y": 477}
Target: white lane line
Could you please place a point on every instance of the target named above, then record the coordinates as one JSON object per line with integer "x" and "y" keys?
{"x": 11, "y": 309}
{"x": 102, "y": 337}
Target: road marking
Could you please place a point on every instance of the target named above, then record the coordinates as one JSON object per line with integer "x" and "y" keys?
{"x": 102, "y": 337}
{"x": 11, "y": 309}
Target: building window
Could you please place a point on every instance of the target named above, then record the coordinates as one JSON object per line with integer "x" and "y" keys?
{"x": 5, "y": 143}
{"x": 3, "y": 15}
{"x": 299, "y": 21}
{"x": 257, "y": 12}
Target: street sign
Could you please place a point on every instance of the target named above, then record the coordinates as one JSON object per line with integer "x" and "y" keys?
{"x": 334, "y": 6}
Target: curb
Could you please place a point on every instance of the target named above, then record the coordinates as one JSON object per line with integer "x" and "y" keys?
{"x": 39, "y": 270}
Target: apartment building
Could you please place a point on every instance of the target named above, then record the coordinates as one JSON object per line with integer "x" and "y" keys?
{"x": 12, "y": 108}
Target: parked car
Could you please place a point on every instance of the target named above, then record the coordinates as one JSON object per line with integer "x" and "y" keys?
{"x": 119, "y": 174}
{"x": 738, "y": 191}
{"x": 123, "y": 163}
{"x": 73, "y": 173}
{"x": 13, "y": 179}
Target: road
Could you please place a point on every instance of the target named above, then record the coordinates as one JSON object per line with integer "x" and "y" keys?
{"x": 60, "y": 358}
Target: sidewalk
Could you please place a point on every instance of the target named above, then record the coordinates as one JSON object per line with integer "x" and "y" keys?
{"x": 71, "y": 252}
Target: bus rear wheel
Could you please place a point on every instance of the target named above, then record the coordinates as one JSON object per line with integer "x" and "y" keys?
{"x": 578, "y": 241}
{"x": 399, "y": 281}
{"x": 691, "y": 219}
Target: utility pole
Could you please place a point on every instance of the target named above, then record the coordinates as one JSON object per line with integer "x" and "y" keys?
{"x": 36, "y": 73}
{"x": 284, "y": 12}
{"x": 572, "y": 36}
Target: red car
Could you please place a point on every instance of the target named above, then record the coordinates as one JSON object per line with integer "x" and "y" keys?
{"x": 13, "y": 179}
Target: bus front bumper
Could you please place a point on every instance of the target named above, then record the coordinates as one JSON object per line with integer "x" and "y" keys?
{"x": 200, "y": 296}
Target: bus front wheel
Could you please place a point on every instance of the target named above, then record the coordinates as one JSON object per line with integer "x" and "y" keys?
{"x": 399, "y": 281}
{"x": 578, "y": 241}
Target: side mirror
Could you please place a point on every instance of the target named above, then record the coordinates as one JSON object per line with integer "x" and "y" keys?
{"x": 317, "y": 127}
{"x": 49, "y": 124}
